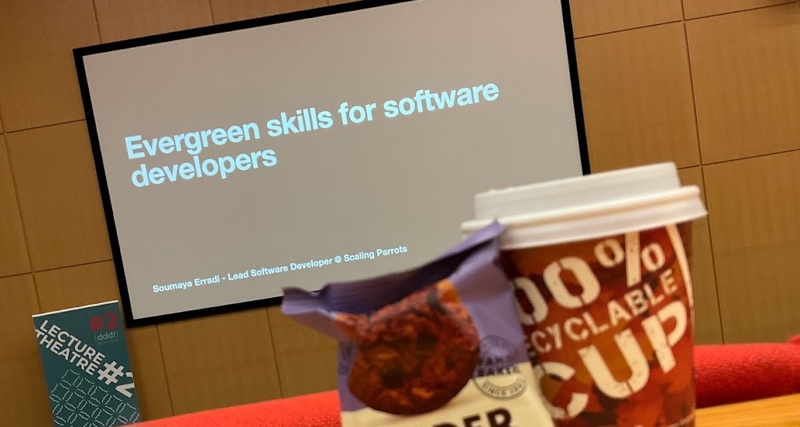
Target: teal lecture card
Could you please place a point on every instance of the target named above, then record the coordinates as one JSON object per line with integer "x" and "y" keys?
{"x": 86, "y": 365}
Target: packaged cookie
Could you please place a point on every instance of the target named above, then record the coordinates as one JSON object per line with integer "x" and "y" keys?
{"x": 439, "y": 345}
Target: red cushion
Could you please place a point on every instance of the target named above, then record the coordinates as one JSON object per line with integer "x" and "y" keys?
{"x": 727, "y": 373}
{"x": 313, "y": 410}
{"x": 733, "y": 373}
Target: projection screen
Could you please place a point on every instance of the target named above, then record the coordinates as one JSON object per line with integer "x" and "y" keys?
{"x": 325, "y": 145}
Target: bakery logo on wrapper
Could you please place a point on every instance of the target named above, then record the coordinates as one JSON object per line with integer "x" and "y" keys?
{"x": 496, "y": 375}
{"x": 439, "y": 345}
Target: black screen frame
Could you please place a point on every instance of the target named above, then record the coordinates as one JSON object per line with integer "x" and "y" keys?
{"x": 81, "y": 52}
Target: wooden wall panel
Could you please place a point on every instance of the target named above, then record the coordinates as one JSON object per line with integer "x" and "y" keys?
{"x": 237, "y": 10}
{"x": 75, "y": 286}
{"x": 708, "y": 327}
{"x": 590, "y": 17}
{"x": 700, "y": 8}
{"x": 120, "y": 20}
{"x": 94, "y": 283}
{"x": 745, "y": 67}
{"x": 59, "y": 195}
{"x": 219, "y": 361}
{"x": 144, "y": 346}
{"x": 637, "y": 98}
{"x": 306, "y": 358}
{"x": 38, "y": 83}
{"x": 13, "y": 253}
{"x": 16, "y": 308}
{"x": 24, "y": 399}
{"x": 754, "y": 205}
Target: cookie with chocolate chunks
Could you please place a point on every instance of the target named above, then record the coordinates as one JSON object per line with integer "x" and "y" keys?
{"x": 414, "y": 355}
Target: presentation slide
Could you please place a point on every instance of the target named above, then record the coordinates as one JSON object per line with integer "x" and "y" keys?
{"x": 325, "y": 149}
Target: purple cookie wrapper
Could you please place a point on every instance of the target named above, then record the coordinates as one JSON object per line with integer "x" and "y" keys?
{"x": 473, "y": 268}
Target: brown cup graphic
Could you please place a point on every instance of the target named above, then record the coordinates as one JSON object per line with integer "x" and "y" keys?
{"x": 604, "y": 293}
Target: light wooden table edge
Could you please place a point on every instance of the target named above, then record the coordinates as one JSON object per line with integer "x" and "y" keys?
{"x": 781, "y": 411}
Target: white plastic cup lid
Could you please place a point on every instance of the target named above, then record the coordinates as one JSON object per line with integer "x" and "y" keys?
{"x": 587, "y": 207}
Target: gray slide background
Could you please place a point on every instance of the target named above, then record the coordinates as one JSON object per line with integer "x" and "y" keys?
{"x": 403, "y": 181}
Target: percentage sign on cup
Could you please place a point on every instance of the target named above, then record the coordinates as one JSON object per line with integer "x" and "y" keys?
{"x": 610, "y": 254}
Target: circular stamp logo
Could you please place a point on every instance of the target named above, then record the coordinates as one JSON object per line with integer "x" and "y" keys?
{"x": 497, "y": 374}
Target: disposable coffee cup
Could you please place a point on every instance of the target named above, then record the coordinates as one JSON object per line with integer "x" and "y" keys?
{"x": 601, "y": 267}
